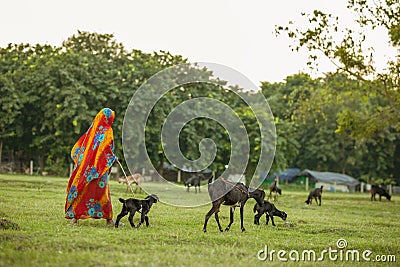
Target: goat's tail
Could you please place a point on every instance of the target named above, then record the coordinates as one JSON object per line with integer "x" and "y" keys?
{"x": 122, "y": 200}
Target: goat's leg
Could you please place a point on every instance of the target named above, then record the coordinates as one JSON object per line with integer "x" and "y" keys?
{"x": 142, "y": 219}
{"x": 119, "y": 217}
{"x": 232, "y": 210}
{"x": 146, "y": 218}
{"x": 380, "y": 197}
{"x": 241, "y": 217}
{"x": 131, "y": 214}
{"x": 257, "y": 218}
{"x": 266, "y": 218}
{"x": 208, "y": 215}
{"x": 320, "y": 198}
{"x": 316, "y": 200}
{"x": 217, "y": 219}
{"x": 272, "y": 219}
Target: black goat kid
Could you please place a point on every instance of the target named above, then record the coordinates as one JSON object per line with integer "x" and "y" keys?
{"x": 223, "y": 192}
{"x": 316, "y": 194}
{"x": 270, "y": 211}
{"x": 193, "y": 181}
{"x": 132, "y": 205}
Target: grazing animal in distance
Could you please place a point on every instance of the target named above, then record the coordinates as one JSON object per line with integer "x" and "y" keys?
{"x": 193, "y": 181}
{"x": 132, "y": 205}
{"x": 224, "y": 192}
{"x": 132, "y": 179}
{"x": 375, "y": 189}
{"x": 316, "y": 194}
{"x": 269, "y": 210}
{"x": 273, "y": 188}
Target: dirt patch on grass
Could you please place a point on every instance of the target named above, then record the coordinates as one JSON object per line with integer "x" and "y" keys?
{"x": 11, "y": 237}
{"x": 330, "y": 230}
{"x": 8, "y": 224}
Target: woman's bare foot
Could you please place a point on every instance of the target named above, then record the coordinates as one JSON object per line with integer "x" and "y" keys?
{"x": 110, "y": 222}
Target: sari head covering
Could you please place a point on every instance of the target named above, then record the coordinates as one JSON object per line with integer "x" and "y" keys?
{"x": 88, "y": 190}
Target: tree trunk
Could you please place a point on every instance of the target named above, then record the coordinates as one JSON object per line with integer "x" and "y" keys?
{"x": 41, "y": 165}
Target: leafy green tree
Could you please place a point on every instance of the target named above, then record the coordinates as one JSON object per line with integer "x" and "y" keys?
{"x": 12, "y": 100}
{"x": 345, "y": 47}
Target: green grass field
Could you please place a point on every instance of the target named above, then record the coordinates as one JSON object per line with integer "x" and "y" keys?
{"x": 175, "y": 236}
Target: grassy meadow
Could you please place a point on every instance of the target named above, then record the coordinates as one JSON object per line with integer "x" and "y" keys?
{"x": 175, "y": 238}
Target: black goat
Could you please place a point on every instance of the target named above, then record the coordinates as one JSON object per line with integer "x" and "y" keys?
{"x": 273, "y": 188}
{"x": 231, "y": 194}
{"x": 193, "y": 181}
{"x": 132, "y": 205}
{"x": 375, "y": 189}
{"x": 270, "y": 211}
{"x": 316, "y": 194}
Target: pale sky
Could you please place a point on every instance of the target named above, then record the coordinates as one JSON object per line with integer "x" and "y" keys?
{"x": 238, "y": 34}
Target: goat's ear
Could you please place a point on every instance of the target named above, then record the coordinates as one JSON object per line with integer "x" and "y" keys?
{"x": 155, "y": 197}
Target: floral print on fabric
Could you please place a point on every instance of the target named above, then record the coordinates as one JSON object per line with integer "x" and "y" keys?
{"x": 91, "y": 173}
{"x": 100, "y": 135}
{"x": 94, "y": 208}
{"x": 72, "y": 194}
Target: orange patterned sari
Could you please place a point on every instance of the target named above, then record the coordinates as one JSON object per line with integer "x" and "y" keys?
{"x": 88, "y": 190}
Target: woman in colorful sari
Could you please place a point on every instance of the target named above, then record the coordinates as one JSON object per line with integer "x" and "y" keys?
{"x": 88, "y": 191}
